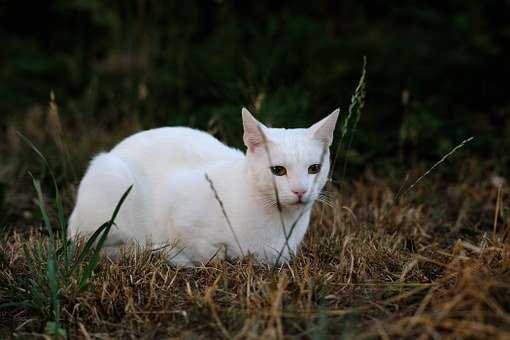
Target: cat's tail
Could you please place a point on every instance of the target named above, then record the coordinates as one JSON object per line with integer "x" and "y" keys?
{"x": 106, "y": 180}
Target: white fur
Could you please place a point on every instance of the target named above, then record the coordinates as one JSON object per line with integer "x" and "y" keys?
{"x": 172, "y": 202}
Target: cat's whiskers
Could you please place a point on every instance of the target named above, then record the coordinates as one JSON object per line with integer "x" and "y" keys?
{"x": 268, "y": 200}
{"x": 324, "y": 201}
{"x": 326, "y": 195}
{"x": 269, "y": 203}
{"x": 327, "y": 192}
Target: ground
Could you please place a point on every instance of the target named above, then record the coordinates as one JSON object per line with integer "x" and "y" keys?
{"x": 433, "y": 263}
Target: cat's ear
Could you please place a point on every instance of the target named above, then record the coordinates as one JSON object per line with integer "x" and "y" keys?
{"x": 324, "y": 129}
{"x": 254, "y": 131}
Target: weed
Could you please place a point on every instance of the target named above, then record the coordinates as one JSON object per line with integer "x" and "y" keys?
{"x": 62, "y": 259}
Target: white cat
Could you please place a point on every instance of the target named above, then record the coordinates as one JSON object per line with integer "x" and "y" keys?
{"x": 172, "y": 200}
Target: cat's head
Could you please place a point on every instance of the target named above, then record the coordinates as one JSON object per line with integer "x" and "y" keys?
{"x": 296, "y": 161}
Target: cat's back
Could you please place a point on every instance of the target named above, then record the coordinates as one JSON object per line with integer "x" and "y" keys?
{"x": 174, "y": 146}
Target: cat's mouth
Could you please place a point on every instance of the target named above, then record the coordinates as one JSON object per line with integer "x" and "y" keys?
{"x": 299, "y": 202}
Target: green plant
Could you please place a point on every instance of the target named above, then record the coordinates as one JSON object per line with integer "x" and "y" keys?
{"x": 350, "y": 122}
{"x": 60, "y": 261}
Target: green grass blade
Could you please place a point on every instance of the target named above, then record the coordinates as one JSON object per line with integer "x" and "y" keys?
{"x": 42, "y": 208}
{"x": 354, "y": 113}
{"x": 62, "y": 221}
{"x": 89, "y": 269}
{"x": 88, "y": 245}
{"x": 357, "y": 105}
{"x": 53, "y": 283}
{"x": 52, "y": 270}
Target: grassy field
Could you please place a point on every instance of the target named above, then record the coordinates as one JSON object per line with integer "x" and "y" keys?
{"x": 433, "y": 263}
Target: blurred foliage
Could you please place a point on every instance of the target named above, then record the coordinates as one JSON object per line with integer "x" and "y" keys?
{"x": 3, "y": 189}
{"x": 437, "y": 73}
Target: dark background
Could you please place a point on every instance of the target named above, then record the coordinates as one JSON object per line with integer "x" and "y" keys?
{"x": 437, "y": 73}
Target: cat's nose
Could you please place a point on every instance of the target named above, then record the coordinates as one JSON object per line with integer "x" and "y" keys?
{"x": 299, "y": 193}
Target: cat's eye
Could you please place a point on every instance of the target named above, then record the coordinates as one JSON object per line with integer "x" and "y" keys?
{"x": 314, "y": 169}
{"x": 278, "y": 170}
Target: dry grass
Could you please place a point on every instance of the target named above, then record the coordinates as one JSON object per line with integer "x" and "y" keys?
{"x": 435, "y": 264}
{"x": 432, "y": 264}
